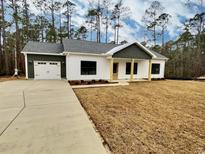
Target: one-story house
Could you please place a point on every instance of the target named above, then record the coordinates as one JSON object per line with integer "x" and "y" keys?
{"x": 86, "y": 60}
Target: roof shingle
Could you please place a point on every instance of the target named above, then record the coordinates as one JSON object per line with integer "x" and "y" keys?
{"x": 79, "y": 46}
{"x": 86, "y": 46}
{"x": 43, "y": 47}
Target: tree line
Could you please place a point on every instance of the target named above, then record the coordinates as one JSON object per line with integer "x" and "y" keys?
{"x": 54, "y": 21}
{"x": 18, "y": 25}
{"x": 187, "y": 53}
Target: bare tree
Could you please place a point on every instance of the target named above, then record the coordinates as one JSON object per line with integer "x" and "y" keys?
{"x": 162, "y": 22}
{"x": 106, "y": 17}
{"x": 95, "y": 12}
{"x": 118, "y": 12}
{"x": 90, "y": 21}
{"x": 41, "y": 19}
{"x": 26, "y": 19}
{"x": 14, "y": 6}
{"x": 53, "y": 6}
{"x": 150, "y": 18}
{"x": 69, "y": 11}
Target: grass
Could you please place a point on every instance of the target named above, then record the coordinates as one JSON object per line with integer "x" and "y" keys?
{"x": 149, "y": 117}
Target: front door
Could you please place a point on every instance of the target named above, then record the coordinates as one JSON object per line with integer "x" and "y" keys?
{"x": 115, "y": 71}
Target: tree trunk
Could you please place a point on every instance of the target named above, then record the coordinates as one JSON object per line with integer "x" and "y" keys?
{"x": 163, "y": 43}
{"x": 1, "y": 54}
{"x": 68, "y": 26}
{"x": 98, "y": 27}
{"x": 91, "y": 32}
{"x": 118, "y": 29}
{"x": 26, "y": 20}
{"x": 154, "y": 36}
{"x": 69, "y": 19}
{"x": 17, "y": 34}
{"x": 53, "y": 21}
{"x": 61, "y": 38}
{"x": 115, "y": 33}
{"x": 106, "y": 28}
{"x": 4, "y": 40}
{"x": 106, "y": 33}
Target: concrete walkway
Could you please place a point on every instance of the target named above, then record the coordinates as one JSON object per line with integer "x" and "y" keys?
{"x": 44, "y": 117}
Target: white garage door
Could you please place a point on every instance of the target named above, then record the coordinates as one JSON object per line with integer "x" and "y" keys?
{"x": 47, "y": 70}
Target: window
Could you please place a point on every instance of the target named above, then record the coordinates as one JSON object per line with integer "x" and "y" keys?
{"x": 128, "y": 68}
{"x": 42, "y": 63}
{"x": 135, "y": 68}
{"x": 53, "y": 63}
{"x": 155, "y": 68}
{"x": 88, "y": 68}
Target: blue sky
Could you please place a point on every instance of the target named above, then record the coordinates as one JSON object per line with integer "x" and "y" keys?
{"x": 133, "y": 28}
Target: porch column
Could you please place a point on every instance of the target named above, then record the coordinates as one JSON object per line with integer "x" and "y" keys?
{"x": 26, "y": 65}
{"x": 111, "y": 69}
{"x": 150, "y": 70}
{"x": 132, "y": 70}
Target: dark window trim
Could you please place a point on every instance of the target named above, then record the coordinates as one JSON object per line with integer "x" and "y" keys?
{"x": 135, "y": 69}
{"x": 128, "y": 72}
{"x": 90, "y": 70}
{"x": 128, "y": 68}
{"x": 155, "y": 70}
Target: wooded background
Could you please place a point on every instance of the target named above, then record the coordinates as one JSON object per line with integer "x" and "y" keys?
{"x": 18, "y": 25}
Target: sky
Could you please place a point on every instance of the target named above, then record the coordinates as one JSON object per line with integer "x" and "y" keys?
{"x": 133, "y": 29}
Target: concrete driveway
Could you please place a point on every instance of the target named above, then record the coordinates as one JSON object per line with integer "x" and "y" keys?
{"x": 44, "y": 117}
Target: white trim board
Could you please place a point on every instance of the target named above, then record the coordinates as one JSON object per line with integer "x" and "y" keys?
{"x": 43, "y": 53}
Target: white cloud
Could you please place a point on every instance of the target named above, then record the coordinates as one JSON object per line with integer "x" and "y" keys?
{"x": 176, "y": 8}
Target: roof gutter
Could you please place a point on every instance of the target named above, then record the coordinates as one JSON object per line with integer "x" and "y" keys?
{"x": 85, "y": 54}
{"x": 166, "y": 59}
{"x": 42, "y": 53}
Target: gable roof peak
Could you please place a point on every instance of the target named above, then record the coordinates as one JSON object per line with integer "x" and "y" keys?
{"x": 121, "y": 47}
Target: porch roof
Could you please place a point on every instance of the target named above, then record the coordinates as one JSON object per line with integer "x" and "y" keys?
{"x": 133, "y": 51}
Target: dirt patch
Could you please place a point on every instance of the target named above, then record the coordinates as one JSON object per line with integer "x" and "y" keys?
{"x": 9, "y": 78}
{"x": 149, "y": 117}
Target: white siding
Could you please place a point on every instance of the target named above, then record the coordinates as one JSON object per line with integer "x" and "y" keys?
{"x": 162, "y": 69}
{"x": 141, "y": 73}
{"x": 143, "y": 69}
{"x": 73, "y": 69}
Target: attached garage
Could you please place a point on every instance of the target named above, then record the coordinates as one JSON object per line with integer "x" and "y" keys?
{"x": 46, "y": 66}
{"x": 44, "y": 60}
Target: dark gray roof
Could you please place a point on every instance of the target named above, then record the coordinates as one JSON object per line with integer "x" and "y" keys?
{"x": 43, "y": 47}
{"x": 87, "y": 46}
{"x": 73, "y": 46}
{"x": 158, "y": 55}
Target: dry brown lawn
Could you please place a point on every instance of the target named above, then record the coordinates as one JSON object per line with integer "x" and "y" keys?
{"x": 149, "y": 117}
{"x": 9, "y": 78}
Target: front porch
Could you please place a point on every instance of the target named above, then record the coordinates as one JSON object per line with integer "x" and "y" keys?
{"x": 126, "y": 69}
